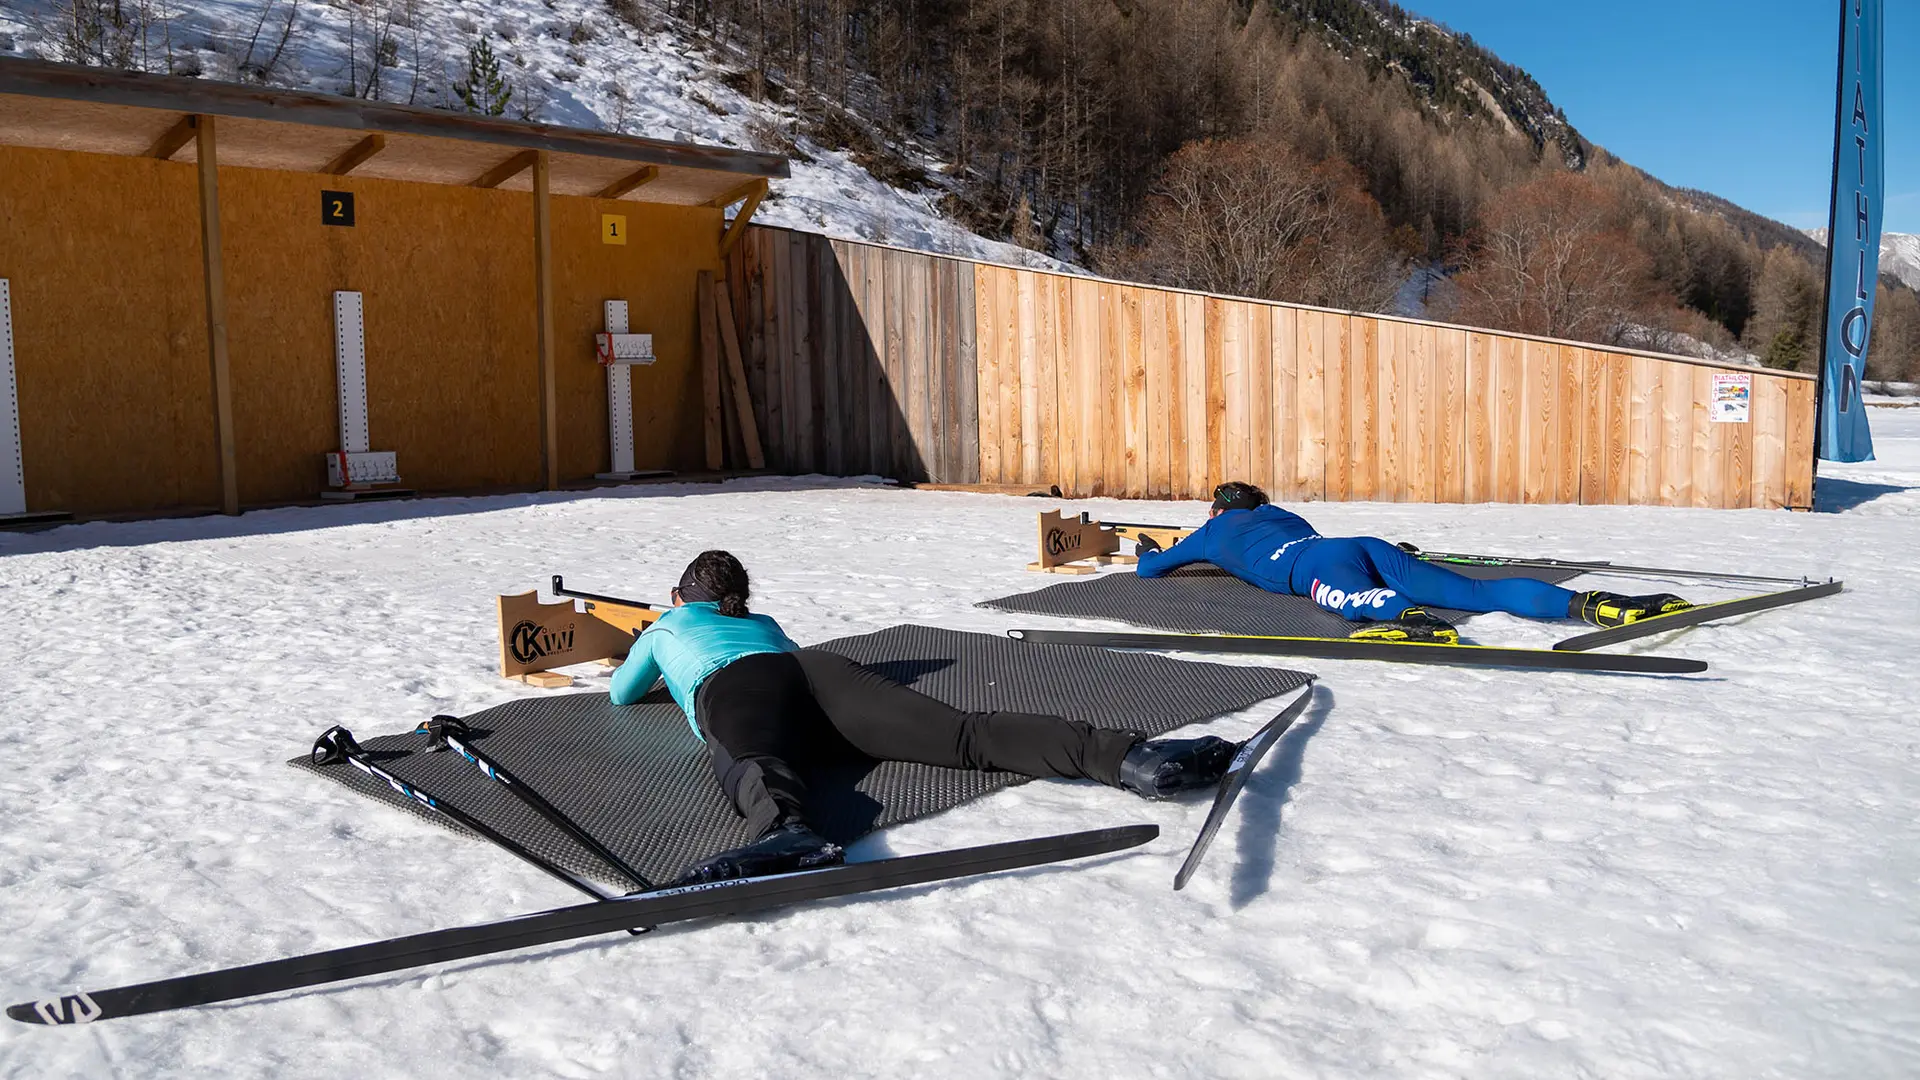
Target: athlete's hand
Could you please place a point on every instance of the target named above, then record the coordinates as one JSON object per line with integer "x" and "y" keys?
{"x": 1144, "y": 543}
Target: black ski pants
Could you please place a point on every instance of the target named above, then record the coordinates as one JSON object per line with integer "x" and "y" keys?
{"x": 768, "y": 716}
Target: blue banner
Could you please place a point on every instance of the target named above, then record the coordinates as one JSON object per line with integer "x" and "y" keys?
{"x": 1853, "y": 233}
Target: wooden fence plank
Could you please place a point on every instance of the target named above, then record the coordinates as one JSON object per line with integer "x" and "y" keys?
{"x": 1676, "y": 437}
{"x": 778, "y": 307}
{"x": 893, "y": 285}
{"x": 1337, "y": 408}
{"x": 1737, "y": 488}
{"x": 1483, "y": 421}
{"x": 1056, "y": 322}
{"x": 1540, "y": 435}
{"x": 1316, "y": 334}
{"x": 1769, "y": 443}
{"x": 940, "y": 325}
{"x": 1193, "y": 359}
{"x": 1285, "y": 330}
{"x": 1510, "y": 384}
{"x": 830, "y": 368}
{"x": 1420, "y": 411}
{"x": 987, "y": 316}
{"x": 1643, "y": 454}
{"x": 879, "y": 388}
{"x": 1081, "y": 448}
{"x": 1213, "y": 355}
{"x": 859, "y": 380}
{"x": 1127, "y": 442}
{"x": 966, "y": 368}
{"x": 1260, "y": 397}
{"x": 1157, "y": 354}
{"x": 916, "y": 363}
{"x": 1619, "y": 394}
{"x": 1365, "y": 430}
{"x": 1593, "y": 427}
{"x": 1026, "y": 435}
{"x": 1573, "y": 398}
{"x": 1395, "y": 439}
{"x": 806, "y": 406}
{"x": 1450, "y": 428}
{"x": 1706, "y": 485}
{"x": 1236, "y": 431}
{"x": 1798, "y": 467}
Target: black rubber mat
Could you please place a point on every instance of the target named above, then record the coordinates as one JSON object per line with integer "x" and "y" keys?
{"x": 1204, "y": 599}
{"x": 637, "y": 779}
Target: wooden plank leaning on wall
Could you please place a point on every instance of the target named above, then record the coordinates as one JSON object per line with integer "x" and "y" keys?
{"x": 216, "y": 285}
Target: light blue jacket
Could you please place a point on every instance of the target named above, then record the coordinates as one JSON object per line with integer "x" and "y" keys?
{"x": 689, "y": 643}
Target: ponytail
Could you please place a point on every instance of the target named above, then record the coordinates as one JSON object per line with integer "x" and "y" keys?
{"x": 716, "y": 576}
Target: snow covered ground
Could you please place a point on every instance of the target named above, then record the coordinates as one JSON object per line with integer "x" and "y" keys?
{"x": 1438, "y": 873}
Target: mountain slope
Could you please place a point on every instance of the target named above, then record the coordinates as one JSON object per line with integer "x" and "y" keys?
{"x": 1899, "y": 255}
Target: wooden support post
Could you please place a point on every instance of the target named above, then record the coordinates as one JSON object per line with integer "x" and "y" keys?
{"x": 710, "y": 371}
{"x": 512, "y": 167}
{"x": 216, "y": 287}
{"x": 543, "y": 299}
{"x": 646, "y": 174}
{"x": 753, "y": 196}
{"x": 356, "y": 155}
{"x": 176, "y": 137}
{"x": 737, "y": 376}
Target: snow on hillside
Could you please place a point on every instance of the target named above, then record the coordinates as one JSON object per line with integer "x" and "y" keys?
{"x": 1899, "y": 254}
{"x": 572, "y": 62}
{"x": 1438, "y": 873}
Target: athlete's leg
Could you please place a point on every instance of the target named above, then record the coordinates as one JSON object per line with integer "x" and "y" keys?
{"x": 1338, "y": 574}
{"x": 885, "y": 720}
{"x": 759, "y": 718}
{"x": 1425, "y": 585}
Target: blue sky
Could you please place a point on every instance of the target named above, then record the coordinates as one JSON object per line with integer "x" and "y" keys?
{"x": 1735, "y": 98}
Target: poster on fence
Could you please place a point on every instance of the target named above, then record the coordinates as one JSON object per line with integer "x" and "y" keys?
{"x": 1732, "y": 395}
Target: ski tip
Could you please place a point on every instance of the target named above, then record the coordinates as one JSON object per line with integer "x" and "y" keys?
{"x": 1017, "y": 635}
{"x": 24, "y": 1013}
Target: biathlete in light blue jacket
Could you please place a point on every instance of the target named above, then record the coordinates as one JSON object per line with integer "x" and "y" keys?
{"x": 768, "y": 710}
{"x": 1367, "y": 579}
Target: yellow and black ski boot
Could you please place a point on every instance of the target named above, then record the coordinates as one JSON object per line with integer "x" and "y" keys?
{"x": 1414, "y": 624}
{"x": 1613, "y": 609}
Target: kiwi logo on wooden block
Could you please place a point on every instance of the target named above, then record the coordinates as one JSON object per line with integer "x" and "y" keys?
{"x": 336, "y": 208}
{"x": 538, "y": 637}
{"x": 1065, "y": 540}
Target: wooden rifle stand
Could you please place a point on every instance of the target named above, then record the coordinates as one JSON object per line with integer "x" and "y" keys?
{"x": 1070, "y": 546}
{"x": 536, "y": 637}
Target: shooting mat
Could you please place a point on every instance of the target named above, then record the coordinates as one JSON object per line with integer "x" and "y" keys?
{"x": 637, "y": 780}
{"x": 1204, "y": 599}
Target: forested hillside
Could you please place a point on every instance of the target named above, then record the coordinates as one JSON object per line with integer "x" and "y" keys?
{"x": 1345, "y": 153}
{"x": 1305, "y": 150}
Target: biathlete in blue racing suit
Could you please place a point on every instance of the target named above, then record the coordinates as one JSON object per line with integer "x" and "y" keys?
{"x": 1367, "y": 579}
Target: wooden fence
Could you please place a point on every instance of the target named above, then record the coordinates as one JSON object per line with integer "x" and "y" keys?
{"x": 869, "y": 359}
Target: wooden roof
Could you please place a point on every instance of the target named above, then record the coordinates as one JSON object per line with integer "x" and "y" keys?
{"x": 96, "y": 110}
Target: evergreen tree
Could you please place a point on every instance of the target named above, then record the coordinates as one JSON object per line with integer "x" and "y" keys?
{"x": 485, "y": 89}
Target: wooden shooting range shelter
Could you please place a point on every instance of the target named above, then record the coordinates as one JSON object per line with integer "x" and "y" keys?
{"x": 174, "y": 254}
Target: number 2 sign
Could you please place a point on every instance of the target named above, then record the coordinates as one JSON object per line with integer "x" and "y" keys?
{"x": 336, "y": 208}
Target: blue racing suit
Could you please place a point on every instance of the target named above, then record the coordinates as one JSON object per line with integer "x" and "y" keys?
{"x": 1359, "y": 577}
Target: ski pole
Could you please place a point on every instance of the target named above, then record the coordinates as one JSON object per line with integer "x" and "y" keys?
{"x": 449, "y": 733}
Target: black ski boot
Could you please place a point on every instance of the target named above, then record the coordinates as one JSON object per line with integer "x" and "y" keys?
{"x": 790, "y": 846}
{"x": 1156, "y": 768}
{"x": 1414, "y": 624}
{"x": 1613, "y": 609}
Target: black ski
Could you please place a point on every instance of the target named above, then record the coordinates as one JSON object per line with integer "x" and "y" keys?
{"x": 1457, "y": 559}
{"x": 1393, "y": 652}
{"x": 565, "y": 924}
{"x": 1238, "y": 773}
{"x": 449, "y": 733}
{"x": 337, "y": 744}
{"x": 1694, "y": 616}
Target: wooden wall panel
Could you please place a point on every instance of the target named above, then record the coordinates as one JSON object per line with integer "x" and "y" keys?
{"x": 1337, "y": 409}
{"x": 1396, "y": 437}
{"x": 1285, "y": 334}
{"x": 1158, "y": 349}
{"x": 1364, "y": 433}
{"x": 1482, "y": 433}
{"x": 1016, "y": 376}
{"x": 1420, "y": 413}
{"x": 1318, "y": 333}
{"x": 1798, "y": 467}
{"x": 1450, "y": 425}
